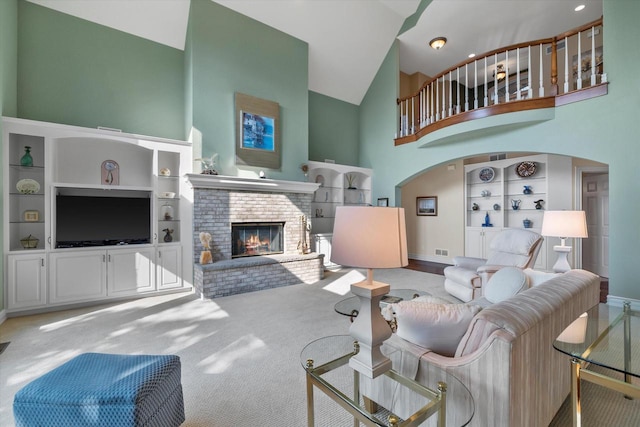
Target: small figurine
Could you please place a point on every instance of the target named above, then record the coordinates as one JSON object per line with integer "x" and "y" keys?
{"x": 475, "y": 207}
{"x": 168, "y": 237}
{"x": 205, "y": 255}
{"x": 538, "y": 203}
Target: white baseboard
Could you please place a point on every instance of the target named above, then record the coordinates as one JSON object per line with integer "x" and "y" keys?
{"x": 430, "y": 258}
{"x": 619, "y": 301}
{"x": 3, "y": 316}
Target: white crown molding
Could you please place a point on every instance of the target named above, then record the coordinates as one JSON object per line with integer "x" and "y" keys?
{"x": 222, "y": 182}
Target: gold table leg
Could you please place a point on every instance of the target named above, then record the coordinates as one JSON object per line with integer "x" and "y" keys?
{"x": 575, "y": 393}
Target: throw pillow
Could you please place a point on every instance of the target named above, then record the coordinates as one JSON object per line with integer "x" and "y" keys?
{"x": 505, "y": 283}
{"x": 438, "y": 327}
{"x": 538, "y": 277}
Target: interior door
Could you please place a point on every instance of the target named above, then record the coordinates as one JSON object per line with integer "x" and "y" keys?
{"x": 595, "y": 202}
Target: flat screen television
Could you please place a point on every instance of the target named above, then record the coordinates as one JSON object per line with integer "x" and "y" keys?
{"x": 89, "y": 220}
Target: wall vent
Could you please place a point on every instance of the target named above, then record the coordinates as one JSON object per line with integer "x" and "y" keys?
{"x": 442, "y": 252}
{"x": 500, "y": 156}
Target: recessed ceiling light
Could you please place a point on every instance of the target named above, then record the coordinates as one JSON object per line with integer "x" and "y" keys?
{"x": 472, "y": 55}
{"x": 438, "y": 42}
{"x": 579, "y": 8}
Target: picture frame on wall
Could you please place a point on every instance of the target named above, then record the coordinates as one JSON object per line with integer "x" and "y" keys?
{"x": 427, "y": 206}
{"x": 257, "y": 124}
{"x": 383, "y": 201}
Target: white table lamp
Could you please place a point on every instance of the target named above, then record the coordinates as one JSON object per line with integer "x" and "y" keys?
{"x": 369, "y": 237}
{"x": 564, "y": 224}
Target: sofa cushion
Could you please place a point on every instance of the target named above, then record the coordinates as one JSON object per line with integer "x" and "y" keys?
{"x": 536, "y": 277}
{"x": 438, "y": 327}
{"x": 505, "y": 283}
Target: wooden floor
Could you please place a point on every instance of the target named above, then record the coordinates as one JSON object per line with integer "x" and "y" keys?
{"x": 436, "y": 268}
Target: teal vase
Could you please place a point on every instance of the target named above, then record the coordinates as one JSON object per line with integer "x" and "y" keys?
{"x": 26, "y": 159}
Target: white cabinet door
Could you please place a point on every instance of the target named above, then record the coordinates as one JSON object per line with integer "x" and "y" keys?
{"x": 27, "y": 287}
{"x": 478, "y": 240}
{"x": 77, "y": 276}
{"x": 322, "y": 245}
{"x": 130, "y": 271}
{"x": 169, "y": 266}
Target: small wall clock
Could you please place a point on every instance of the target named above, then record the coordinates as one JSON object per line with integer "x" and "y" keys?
{"x": 525, "y": 169}
{"x": 110, "y": 172}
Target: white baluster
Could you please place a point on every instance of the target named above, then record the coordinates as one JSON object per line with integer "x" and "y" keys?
{"x": 413, "y": 114}
{"x": 506, "y": 77}
{"x": 518, "y": 74}
{"x": 579, "y": 75}
{"x": 496, "y": 99}
{"x": 529, "y": 85}
{"x": 466, "y": 88}
{"x": 444, "y": 98}
{"x": 432, "y": 109}
{"x": 566, "y": 64}
{"x": 458, "y": 91}
{"x": 486, "y": 91}
{"x": 450, "y": 95}
{"x": 475, "y": 84}
{"x": 406, "y": 110}
{"x": 541, "y": 88}
{"x": 436, "y": 106}
{"x": 594, "y": 65}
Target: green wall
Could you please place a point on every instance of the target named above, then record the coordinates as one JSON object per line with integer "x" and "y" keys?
{"x": 333, "y": 130}
{"x": 231, "y": 53}
{"x": 605, "y": 129}
{"x": 76, "y": 72}
{"x": 8, "y": 91}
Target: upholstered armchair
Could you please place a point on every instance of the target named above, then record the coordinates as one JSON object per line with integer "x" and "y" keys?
{"x": 510, "y": 248}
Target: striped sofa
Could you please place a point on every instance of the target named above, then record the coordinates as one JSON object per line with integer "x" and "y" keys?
{"x": 506, "y": 358}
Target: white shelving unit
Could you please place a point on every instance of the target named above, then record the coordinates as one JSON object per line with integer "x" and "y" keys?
{"x": 68, "y": 159}
{"x": 339, "y": 185}
{"x": 495, "y": 197}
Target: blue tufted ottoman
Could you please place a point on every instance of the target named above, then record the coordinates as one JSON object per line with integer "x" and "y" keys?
{"x": 95, "y": 389}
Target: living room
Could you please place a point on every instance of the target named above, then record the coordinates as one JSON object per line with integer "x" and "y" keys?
{"x": 71, "y": 71}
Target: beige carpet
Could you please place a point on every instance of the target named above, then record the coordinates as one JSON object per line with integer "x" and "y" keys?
{"x": 240, "y": 354}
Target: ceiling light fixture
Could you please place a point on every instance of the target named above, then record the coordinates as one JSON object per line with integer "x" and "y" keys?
{"x": 500, "y": 73}
{"x": 472, "y": 55}
{"x": 438, "y": 42}
{"x": 579, "y": 8}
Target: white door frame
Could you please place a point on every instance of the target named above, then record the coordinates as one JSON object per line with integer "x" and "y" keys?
{"x": 579, "y": 172}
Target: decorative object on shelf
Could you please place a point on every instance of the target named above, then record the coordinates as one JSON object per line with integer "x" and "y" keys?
{"x": 564, "y": 224}
{"x": 496, "y": 207}
{"x": 383, "y": 201}
{"x": 28, "y": 186}
{"x": 487, "y": 174}
{"x": 427, "y": 206}
{"x": 168, "y": 236}
{"x": 31, "y": 216}
{"x": 526, "y": 169}
{"x": 354, "y": 245}
{"x": 165, "y": 172}
{"x": 527, "y": 223}
{"x": 205, "y": 255}
{"x": 538, "y": 203}
{"x": 257, "y": 132}
{"x": 319, "y": 213}
{"x": 515, "y": 204}
{"x": 350, "y": 181}
{"x": 305, "y": 228}
{"x": 167, "y": 194}
{"x": 208, "y": 164}
{"x": 527, "y": 190}
{"x": 110, "y": 172}
{"x": 320, "y": 180}
{"x": 485, "y": 193}
{"x": 167, "y": 212}
{"x": 29, "y": 242}
{"x": 26, "y": 159}
{"x": 475, "y": 207}
{"x": 262, "y": 175}
{"x": 305, "y": 169}
{"x": 326, "y": 196}
{"x": 487, "y": 221}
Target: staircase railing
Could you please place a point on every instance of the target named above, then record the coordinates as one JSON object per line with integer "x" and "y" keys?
{"x": 519, "y": 77}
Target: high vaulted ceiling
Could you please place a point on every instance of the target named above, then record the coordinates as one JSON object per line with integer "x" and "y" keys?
{"x": 348, "y": 39}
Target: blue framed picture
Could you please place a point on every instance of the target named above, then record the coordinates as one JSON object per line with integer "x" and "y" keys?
{"x": 258, "y": 132}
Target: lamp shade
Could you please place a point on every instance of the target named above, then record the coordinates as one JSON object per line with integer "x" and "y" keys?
{"x": 369, "y": 237}
{"x": 564, "y": 224}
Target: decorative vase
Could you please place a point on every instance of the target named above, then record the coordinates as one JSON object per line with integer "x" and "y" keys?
{"x": 168, "y": 237}
{"x": 26, "y": 159}
{"x": 515, "y": 204}
{"x": 487, "y": 221}
{"x": 538, "y": 203}
{"x": 527, "y": 223}
{"x": 496, "y": 207}
{"x": 475, "y": 207}
{"x": 527, "y": 190}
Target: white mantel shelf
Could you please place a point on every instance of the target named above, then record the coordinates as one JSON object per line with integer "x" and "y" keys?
{"x": 222, "y": 182}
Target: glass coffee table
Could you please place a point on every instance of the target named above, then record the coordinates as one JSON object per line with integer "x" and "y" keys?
{"x": 602, "y": 336}
{"x": 326, "y": 363}
{"x": 351, "y": 306}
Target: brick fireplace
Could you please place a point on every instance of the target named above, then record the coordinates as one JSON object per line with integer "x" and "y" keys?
{"x": 260, "y": 207}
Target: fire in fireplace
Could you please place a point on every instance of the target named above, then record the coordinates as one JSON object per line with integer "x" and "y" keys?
{"x": 251, "y": 239}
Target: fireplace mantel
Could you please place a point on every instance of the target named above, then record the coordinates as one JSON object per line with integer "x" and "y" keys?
{"x": 222, "y": 182}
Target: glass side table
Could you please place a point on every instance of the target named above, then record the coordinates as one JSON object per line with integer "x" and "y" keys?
{"x": 326, "y": 363}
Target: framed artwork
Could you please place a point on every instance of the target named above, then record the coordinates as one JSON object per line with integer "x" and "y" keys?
{"x": 257, "y": 132}
{"x": 427, "y": 206}
{"x": 383, "y": 201}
